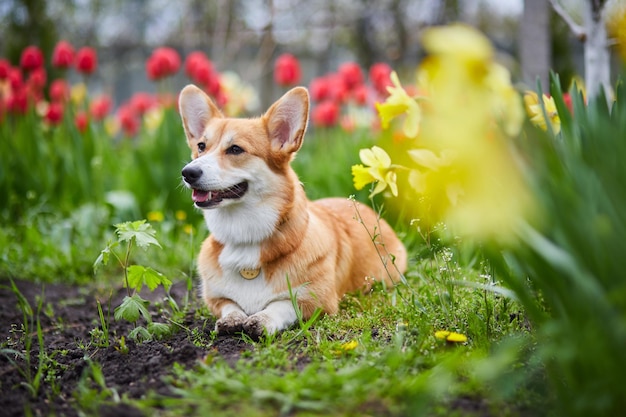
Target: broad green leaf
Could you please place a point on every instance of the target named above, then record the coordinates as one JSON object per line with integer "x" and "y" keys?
{"x": 159, "y": 330}
{"x": 138, "y": 276}
{"x": 132, "y": 308}
{"x": 139, "y": 230}
{"x": 140, "y": 334}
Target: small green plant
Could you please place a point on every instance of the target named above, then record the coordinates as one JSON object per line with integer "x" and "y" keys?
{"x": 23, "y": 361}
{"x": 141, "y": 234}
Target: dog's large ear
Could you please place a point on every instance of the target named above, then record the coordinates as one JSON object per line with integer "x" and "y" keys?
{"x": 196, "y": 109}
{"x": 287, "y": 120}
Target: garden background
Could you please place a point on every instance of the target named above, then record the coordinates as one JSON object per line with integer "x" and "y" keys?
{"x": 494, "y": 147}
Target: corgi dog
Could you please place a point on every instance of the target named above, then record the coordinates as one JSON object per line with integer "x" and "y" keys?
{"x": 268, "y": 243}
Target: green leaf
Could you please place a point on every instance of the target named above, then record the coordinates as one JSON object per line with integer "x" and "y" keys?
{"x": 140, "y": 275}
{"x": 159, "y": 330}
{"x": 103, "y": 258}
{"x": 140, "y": 334}
{"x": 132, "y": 308}
{"x": 139, "y": 230}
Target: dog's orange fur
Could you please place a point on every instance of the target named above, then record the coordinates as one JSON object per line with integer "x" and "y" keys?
{"x": 320, "y": 247}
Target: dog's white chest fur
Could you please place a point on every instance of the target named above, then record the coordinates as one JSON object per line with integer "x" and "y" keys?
{"x": 251, "y": 295}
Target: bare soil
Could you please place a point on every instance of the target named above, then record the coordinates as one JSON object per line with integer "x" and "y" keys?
{"x": 68, "y": 316}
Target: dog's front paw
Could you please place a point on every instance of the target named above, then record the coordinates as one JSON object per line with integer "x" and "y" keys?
{"x": 256, "y": 326}
{"x": 231, "y": 324}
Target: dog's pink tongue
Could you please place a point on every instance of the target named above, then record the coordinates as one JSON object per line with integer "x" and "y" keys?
{"x": 199, "y": 196}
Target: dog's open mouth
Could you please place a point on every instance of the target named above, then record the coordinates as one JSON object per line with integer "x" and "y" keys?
{"x": 210, "y": 198}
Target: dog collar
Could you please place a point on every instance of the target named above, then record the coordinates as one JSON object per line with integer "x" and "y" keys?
{"x": 248, "y": 273}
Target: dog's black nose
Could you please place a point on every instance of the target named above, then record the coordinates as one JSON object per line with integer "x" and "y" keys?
{"x": 191, "y": 174}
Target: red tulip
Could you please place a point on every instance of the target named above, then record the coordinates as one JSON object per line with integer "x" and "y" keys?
{"x": 37, "y": 79}
{"x": 360, "y": 94}
{"x": 141, "y": 102}
{"x": 129, "y": 120}
{"x": 351, "y": 74}
{"x": 380, "y": 77}
{"x": 32, "y": 58}
{"x": 286, "y": 70}
{"x": 15, "y": 78}
{"x": 54, "y": 115}
{"x": 338, "y": 88}
{"x": 81, "y": 120}
{"x": 325, "y": 114}
{"x": 320, "y": 89}
{"x": 86, "y": 60}
{"x": 5, "y": 68}
{"x": 195, "y": 59}
{"x": 100, "y": 107}
{"x": 59, "y": 90}
{"x": 63, "y": 55}
{"x": 163, "y": 62}
{"x": 568, "y": 102}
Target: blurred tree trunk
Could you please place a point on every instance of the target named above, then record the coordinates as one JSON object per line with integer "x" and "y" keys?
{"x": 594, "y": 34}
{"x": 265, "y": 60}
{"x": 597, "y": 57}
{"x": 534, "y": 43}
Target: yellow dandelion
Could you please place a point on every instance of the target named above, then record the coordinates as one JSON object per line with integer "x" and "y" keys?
{"x": 180, "y": 215}
{"x": 348, "y": 346}
{"x": 451, "y": 337}
{"x": 188, "y": 229}
{"x": 155, "y": 216}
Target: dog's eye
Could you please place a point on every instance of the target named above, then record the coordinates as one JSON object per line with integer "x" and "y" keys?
{"x": 234, "y": 150}
{"x": 201, "y": 146}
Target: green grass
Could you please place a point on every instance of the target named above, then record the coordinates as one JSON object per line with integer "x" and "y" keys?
{"x": 397, "y": 367}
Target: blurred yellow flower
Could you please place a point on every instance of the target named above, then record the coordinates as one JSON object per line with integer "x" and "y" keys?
{"x": 188, "y": 229}
{"x": 536, "y": 111}
{"x": 78, "y": 93}
{"x": 111, "y": 126}
{"x": 464, "y": 172}
{"x": 351, "y": 345}
{"x": 153, "y": 118}
{"x": 615, "y": 16}
{"x": 155, "y": 216}
{"x": 378, "y": 169}
{"x": 459, "y": 41}
{"x": 397, "y": 104}
{"x": 180, "y": 215}
{"x": 242, "y": 97}
{"x": 449, "y": 336}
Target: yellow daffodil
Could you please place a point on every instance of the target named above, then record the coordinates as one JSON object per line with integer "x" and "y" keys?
{"x": 536, "y": 111}
{"x": 464, "y": 172}
{"x": 459, "y": 41}
{"x": 378, "y": 168}
{"x": 449, "y": 336}
{"x": 400, "y": 103}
